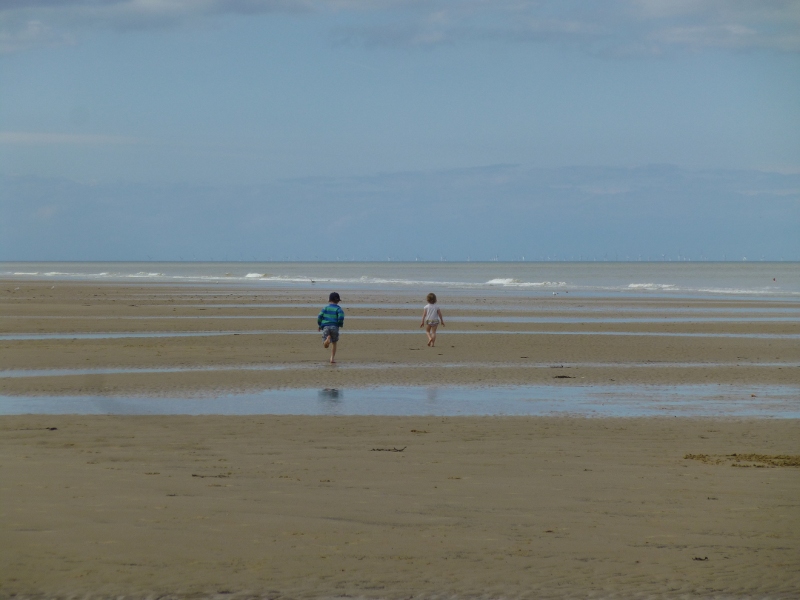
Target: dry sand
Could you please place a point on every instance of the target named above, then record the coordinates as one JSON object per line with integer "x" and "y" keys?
{"x": 277, "y": 506}
{"x": 472, "y": 507}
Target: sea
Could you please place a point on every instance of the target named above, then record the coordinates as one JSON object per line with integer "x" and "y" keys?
{"x": 742, "y": 280}
{"x": 767, "y": 288}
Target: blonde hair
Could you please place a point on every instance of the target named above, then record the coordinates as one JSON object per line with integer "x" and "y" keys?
{"x": 431, "y": 298}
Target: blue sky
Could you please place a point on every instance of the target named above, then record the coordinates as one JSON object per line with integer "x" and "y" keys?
{"x": 169, "y": 128}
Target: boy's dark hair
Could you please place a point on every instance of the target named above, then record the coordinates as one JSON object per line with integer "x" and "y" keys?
{"x": 334, "y": 297}
{"x": 431, "y": 298}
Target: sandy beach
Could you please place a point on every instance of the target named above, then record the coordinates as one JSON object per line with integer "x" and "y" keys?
{"x": 201, "y": 327}
{"x": 390, "y": 507}
{"x": 286, "y": 507}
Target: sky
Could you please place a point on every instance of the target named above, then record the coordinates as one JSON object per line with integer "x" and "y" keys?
{"x": 314, "y": 129}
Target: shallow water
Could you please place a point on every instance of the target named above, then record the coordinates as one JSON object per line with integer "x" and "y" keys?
{"x": 318, "y": 366}
{"x": 456, "y": 318}
{"x": 597, "y": 305}
{"x": 181, "y": 334}
{"x": 781, "y": 402}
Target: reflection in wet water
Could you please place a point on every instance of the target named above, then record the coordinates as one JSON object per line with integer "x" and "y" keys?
{"x": 330, "y": 399}
{"x": 431, "y": 393}
{"x": 331, "y": 395}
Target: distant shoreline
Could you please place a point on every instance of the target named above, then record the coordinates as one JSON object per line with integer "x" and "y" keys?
{"x": 677, "y": 280}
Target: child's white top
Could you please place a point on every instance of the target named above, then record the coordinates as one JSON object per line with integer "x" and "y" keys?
{"x": 431, "y": 312}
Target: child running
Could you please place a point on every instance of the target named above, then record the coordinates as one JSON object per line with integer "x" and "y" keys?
{"x": 431, "y": 318}
{"x": 329, "y": 321}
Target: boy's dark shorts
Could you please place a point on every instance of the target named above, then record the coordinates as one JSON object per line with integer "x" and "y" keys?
{"x": 330, "y": 330}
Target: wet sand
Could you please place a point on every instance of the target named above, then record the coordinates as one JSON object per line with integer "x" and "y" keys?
{"x": 389, "y": 507}
{"x": 476, "y": 352}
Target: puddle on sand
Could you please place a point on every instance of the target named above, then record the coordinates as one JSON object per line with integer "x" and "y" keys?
{"x": 318, "y": 366}
{"x": 529, "y": 400}
{"x": 17, "y": 337}
{"x": 456, "y": 319}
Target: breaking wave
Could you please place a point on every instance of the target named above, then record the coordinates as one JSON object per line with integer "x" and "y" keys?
{"x": 508, "y": 282}
{"x": 770, "y": 281}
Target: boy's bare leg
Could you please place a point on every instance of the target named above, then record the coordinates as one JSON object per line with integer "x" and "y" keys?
{"x": 428, "y": 333}
{"x": 433, "y": 336}
{"x": 327, "y": 342}
{"x": 333, "y": 352}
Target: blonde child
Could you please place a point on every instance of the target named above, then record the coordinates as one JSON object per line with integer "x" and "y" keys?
{"x": 431, "y": 318}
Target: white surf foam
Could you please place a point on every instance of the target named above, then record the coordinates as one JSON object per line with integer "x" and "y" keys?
{"x": 658, "y": 287}
{"x": 735, "y": 291}
{"x": 695, "y": 280}
{"x": 509, "y": 282}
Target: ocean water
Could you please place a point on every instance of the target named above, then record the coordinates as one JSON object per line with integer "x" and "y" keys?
{"x": 745, "y": 280}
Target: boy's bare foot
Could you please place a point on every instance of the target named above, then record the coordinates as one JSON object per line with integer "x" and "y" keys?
{"x": 327, "y": 342}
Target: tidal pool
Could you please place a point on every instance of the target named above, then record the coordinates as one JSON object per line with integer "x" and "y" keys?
{"x": 726, "y": 401}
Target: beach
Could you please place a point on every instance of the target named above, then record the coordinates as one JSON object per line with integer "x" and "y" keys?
{"x": 486, "y": 341}
{"x": 289, "y": 507}
{"x": 279, "y": 505}
{"x": 399, "y": 300}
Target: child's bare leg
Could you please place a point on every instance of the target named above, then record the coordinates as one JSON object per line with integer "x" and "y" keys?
{"x": 428, "y": 333}
{"x": 333, "y": 352}
{"x": 327, "y": 342}
{"x": 433, "y": 336}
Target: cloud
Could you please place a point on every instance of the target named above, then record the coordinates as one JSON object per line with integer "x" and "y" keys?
{"x": 31, "y": 34}
{"x": 25, "y": 24}
{"x": 609, "y": 28}
{"x": 734, "y": 24}
{"x": 37, "y": 138}
{"x": 131, "y": 14}
{"x": 500, "y": 210}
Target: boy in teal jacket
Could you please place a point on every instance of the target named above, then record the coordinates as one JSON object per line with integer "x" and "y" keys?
{"x": 329, "y": 321}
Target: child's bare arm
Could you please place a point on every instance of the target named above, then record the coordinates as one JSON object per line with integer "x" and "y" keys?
{"x": 423, "y": 318}
{"x": 441, "y": 318}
